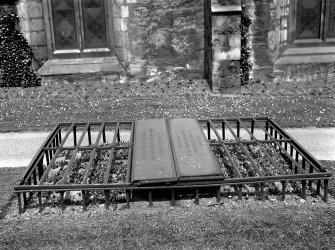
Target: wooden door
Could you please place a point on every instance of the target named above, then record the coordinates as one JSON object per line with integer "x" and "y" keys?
{"x": 79, "y": 28}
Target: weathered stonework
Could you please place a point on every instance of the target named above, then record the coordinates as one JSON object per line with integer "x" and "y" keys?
{"x": 162, "y": 35}
{"x": 32, "y": 27}
{"x": 192, "y": 39}
{"x": 226, "y": 46}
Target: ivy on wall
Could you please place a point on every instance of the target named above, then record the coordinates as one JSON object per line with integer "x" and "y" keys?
{"x": 15, "y": 55}
{"x": 246, "y": 65}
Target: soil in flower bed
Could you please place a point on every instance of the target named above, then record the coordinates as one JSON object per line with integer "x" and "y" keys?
{"x": 245, "y": 166}
{"x": 118, "y": 171}
{"x": 96, "y": 175}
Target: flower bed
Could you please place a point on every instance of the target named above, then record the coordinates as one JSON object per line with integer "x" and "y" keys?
{"x": 118, "y": 171}
{"x": 245, "y": 166}
{"x": 96, "y": 175}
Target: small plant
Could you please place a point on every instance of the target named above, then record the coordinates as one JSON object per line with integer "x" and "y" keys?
{"x": 246, "y": 65}
{"x": 15, "y": 55}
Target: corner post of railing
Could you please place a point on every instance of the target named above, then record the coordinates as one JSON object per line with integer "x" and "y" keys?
{"x": 303, "y": 189}
{"x": 325, "y": 194}
{"x": 218, "y": 194}
{"x": 128, "y": 198}
{"x": 40, "y": 204}
{"x": 196, "y": 200}
{"x": 107, "y": 197}
{"x": 283, "y": 190}
{"x": 173, "y": 199}
{"x": 150, "y": 199}
{"x": 19, "y": 203}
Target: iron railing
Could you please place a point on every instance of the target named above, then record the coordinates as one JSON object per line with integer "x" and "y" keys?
{"x": 220, "y": 132}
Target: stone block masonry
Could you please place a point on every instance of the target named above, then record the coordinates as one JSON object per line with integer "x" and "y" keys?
{"x": 161, "y": 35}
{"x": 32, "y": 27}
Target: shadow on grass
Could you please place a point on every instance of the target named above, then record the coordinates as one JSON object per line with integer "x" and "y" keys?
{"x": 8, "y": 177}
{"x": 5, "y": 207}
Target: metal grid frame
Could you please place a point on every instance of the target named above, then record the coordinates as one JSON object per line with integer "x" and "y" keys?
{"x": 307, "y": 168}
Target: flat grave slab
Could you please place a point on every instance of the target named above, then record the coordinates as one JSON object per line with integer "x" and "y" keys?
{"x": 171, "y": 150}
{"x": 193, "y": 156}
{"x": 152, "y": 155}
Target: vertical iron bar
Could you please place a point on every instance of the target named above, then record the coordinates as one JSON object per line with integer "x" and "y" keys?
{"x": 208, "y": 131}
{"x": 223, "y": 131}
{"x": 297, "y": 160}
{"x": 107, "y": 197}
{"x": 218, "y": 194}
{"x": 238, "y": 129}
{"x": 128, "y": 198}
{"x": 118, "y": 135}
{"x": 89, "y": 135}
{"x": 283, "y": 190}
{"x": 47, "y": 157}
{"x": 19, "y": 202}
{"x": 262, "y": 196}
{"x": 150, "y": 199}
{"x": 310, "y": 171}
{"x": 291, "y": 153}
{"x": 303, "y": 163}
{"x": 252, "y": 127}
{"x": 60, "y": 135}
{"x": 75, "y": 135}
{"x": 267, "y": 129}
{"x": 35, "y": 176}
{"x": 325, "y": 194}
{"x": 84, "y": 195}
{"x": 303, "y": 189}
{"x": 196, "y": 200}
{"x": 25, "y": 201}
{"x": 173, "y": 199}
{"x": 239, "y": 192}
{"x": 57, "y": 140}
{"x": 130, "y": 153}
{"x": 40, "y": 169}
{"x": 39, "y": 195}
{"x": 62, "y": 205}
{"x": 318, "y": 187}
{"x": 104, "y": 135}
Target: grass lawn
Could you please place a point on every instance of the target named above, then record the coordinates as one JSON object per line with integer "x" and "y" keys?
{"x": 41, "y": 108}
{"x": 246, "y": 224}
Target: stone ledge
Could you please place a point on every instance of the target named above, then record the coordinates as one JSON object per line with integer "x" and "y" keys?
{"x": 216, "y": 8}
{"x": 306, "y": 59}
{"x": 102, "y": 65}
{"x": 307, "y": 55}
